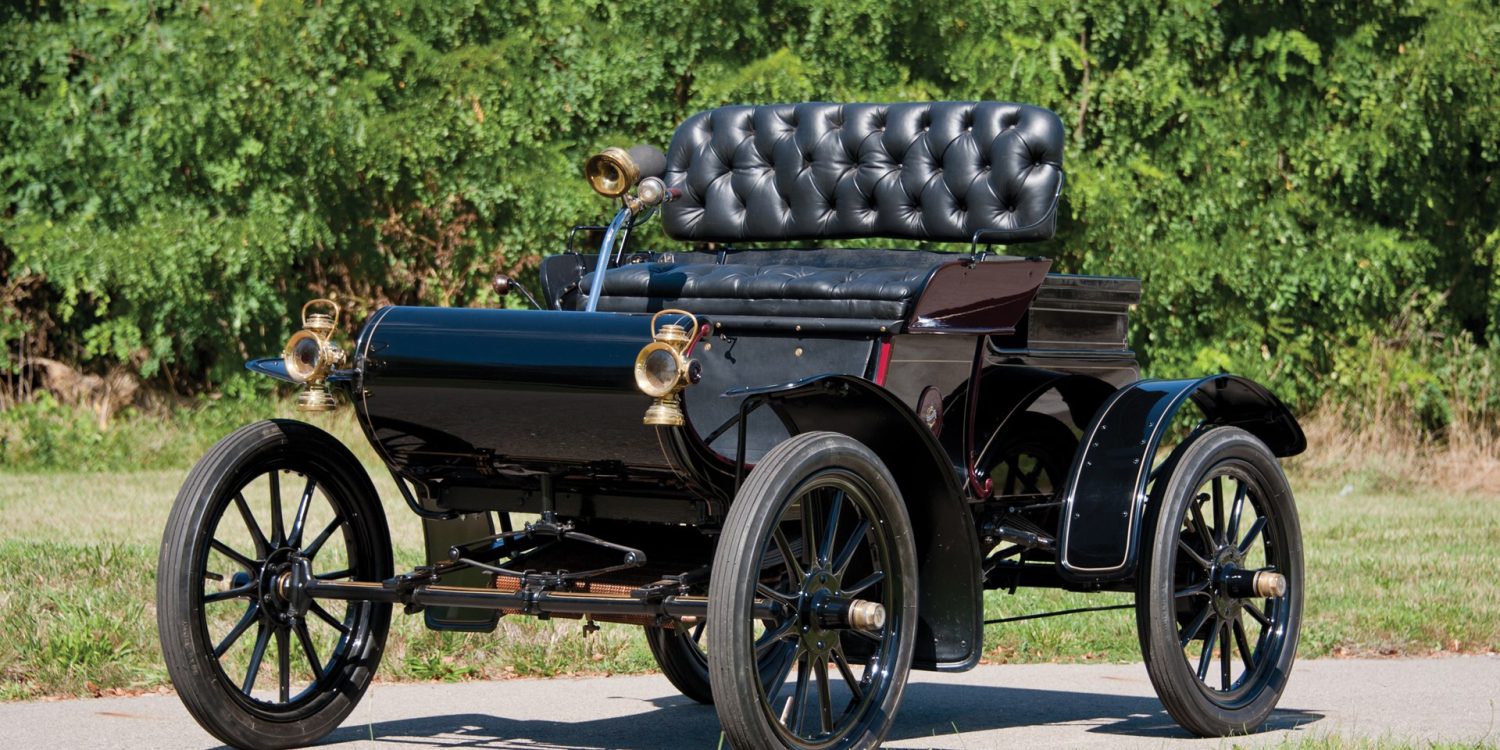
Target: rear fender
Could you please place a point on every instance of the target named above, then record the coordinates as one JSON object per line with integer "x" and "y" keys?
{"x": 949, "y": 607}
{"x": 1104, "y": 498}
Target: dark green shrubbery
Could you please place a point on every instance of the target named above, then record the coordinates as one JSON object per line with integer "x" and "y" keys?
{"x": 1292, "y": 181}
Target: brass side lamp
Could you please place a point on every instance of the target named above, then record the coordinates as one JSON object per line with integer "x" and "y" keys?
{"x": 310, "y": 355}
{"x": 662, "y": 369}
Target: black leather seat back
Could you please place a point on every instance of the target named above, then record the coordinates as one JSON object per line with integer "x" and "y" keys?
{"x": 928, "y": 171}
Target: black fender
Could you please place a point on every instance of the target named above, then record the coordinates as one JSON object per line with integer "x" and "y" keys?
{"x": 1104, "y": 497}
{"x": 1007, "y": 391}
{"x": 950, "y": 605}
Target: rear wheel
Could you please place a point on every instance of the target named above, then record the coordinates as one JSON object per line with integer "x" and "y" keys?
{"x": 255, "y": 669}
{"x": 1219, "y": 598}
{"x": 816, "y": 569}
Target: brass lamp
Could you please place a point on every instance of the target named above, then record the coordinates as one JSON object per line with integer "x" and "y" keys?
{"x": 662, "y": 369}
{"x": 614, "y": 171}
{"x": 310, "y": 355}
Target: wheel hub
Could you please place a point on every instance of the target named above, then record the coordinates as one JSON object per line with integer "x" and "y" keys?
{"x": 281, "y": 584}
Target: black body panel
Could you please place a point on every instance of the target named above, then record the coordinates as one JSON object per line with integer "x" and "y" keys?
{"x": 449, "y": 391}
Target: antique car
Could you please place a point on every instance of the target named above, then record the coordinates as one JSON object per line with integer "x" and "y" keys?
{"x": 797, "y": 459}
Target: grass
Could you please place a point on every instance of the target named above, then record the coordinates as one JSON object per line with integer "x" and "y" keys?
{"x": 1392, "y": 570}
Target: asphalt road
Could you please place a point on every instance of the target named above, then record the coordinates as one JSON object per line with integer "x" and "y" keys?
{"x": 1453, "y": 699}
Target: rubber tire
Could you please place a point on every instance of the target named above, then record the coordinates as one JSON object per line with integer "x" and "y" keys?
{"x": 681, "y": 662}
{"x": 1176, "y": 683}
{"x": 236, "y": 459}
{"x": 755, "y": 508}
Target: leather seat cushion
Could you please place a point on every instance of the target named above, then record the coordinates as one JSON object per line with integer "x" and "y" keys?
{"x": 775, "y": 290}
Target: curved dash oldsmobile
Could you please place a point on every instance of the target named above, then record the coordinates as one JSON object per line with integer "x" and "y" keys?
{"x": 797, "y": 465}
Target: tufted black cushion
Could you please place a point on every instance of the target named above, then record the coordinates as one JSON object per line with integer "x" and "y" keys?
{"x": 929, "y": 171}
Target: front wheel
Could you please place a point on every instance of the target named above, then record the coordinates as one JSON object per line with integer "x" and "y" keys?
{"x": 816, "y": 572}
{"x": 1219, "y": 597}
{"x": 254, "y": 668}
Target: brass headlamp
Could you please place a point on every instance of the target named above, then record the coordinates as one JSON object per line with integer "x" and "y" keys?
{"x": 614, "y": 171}
{"x": 310, "y": 355}
{"x": 662, "y": 369}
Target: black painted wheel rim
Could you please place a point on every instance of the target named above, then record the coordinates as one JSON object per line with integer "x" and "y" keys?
{"x": 1231, "y": 642}
{"x": 842, "y": 675}
{"x": 283, "y": 660}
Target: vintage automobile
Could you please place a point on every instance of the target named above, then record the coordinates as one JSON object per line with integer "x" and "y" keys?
{"x": 798, "y": 463}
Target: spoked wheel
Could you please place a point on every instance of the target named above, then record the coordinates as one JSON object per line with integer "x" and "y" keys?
{"x": 1219, "y": 599}
{"x": 683, "y": 657}
{"x": 256, "y": 664}
{"x": 816, "y": 566}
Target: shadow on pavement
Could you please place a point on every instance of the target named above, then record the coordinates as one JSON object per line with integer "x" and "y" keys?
{"x": 928, "y": 710}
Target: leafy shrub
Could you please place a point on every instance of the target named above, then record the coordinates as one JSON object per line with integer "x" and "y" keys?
{"x": 1286, "y": 178}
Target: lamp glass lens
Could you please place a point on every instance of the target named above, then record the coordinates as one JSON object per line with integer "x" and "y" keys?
{"x": 303, "y": 356}
{"x": 659, "y": 372}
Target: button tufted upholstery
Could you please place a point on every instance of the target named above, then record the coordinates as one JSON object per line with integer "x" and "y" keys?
{"x": 929, "y": 171}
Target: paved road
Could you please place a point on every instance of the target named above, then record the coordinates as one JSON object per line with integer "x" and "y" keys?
{"x": 1455, "y": 699}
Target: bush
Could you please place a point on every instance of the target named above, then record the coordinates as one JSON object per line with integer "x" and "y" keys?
{"x": 178, "y": 177}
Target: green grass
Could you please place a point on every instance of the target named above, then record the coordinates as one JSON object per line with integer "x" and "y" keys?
{"x": 1392, "y": 570}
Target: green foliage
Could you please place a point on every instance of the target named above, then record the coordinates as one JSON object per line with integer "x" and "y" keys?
{"x": 1287, "y": 178}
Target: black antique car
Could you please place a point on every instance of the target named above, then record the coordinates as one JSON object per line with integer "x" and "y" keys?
{"x": 796, "y": 459}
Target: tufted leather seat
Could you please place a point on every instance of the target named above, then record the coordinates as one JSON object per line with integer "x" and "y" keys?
{"x": 945, "y": 171}
{"x": 930, "y": 171}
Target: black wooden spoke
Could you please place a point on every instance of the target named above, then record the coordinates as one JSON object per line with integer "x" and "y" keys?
{"x": 1012, "y": 475}
{"x": 1225, "y": 646}
{"x": 830, "y": 528}
{"x": 1207, "y": 657}
{"x": 312, "y": 549}
{"x": 840, "y": 563}
{"x": 262, "y": 545}
{"x": 799, "y": 694}
{"x": 773, "y": 688}
{"x": 252, "y": 613}
{"x": 233, "y": 554}
{"x": 278, "y": 534}
{"x": 697, "y": 633}
{"x": 1193, "y": 590}
{"x": 1029, "y": 478}
{"x": 809, "y": 532}
{"x": 308, "y": 650}
{"x": 300, "y": 520}
{"x": 1201, "y": 525}
{"x": 1255, "y": 528}
{"x": 788, "y": 554}
{"x": 770, "y": 593}
{"x": 1193, "y": 554}
{"x": 843, "y": 664}
{"x": 261, "y": 639}
{"x": 239, "y": 592}
{"x": 1243, "y": 642}
{"x": 1237, "y": 510}
{"x": 1218, "y": 489}
{"x": 335, "y": 575}
{"x": 775, "y": 635}
{"x": 1193, "y": 628}
{"x": 1257, "y": 614}
{"x": 284, "y": 665}
{"x": 865, "y": 634}
{"x": 864, "y": 583}
{"x": 323, "y": 614}
{"x": 825, "y": 701}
